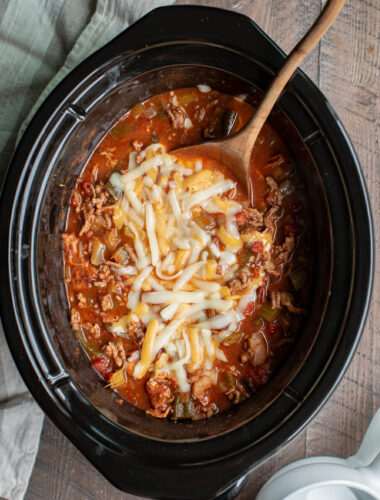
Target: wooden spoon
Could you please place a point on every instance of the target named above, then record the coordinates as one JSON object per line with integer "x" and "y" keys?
{"x": 235, "y": 152}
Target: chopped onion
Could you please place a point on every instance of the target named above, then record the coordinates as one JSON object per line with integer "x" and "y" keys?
{"x": 203, "y": 87}
{"x": 115, "y": 180}
{"x": 188, "y": 123}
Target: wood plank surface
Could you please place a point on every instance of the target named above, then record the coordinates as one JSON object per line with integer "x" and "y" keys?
{"x": 346, "y": 67}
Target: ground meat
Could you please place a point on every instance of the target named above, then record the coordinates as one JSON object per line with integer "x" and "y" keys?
{"x": 111, "y": 350}
{"x": 121, "y": 351}
{"x": 98, "y": 202}
{"x": 160, "y": 390}
{"x": 137, "y": 331}
{"x": 274, "y": 271}
{"x": 75, "y": 319}
{"x": 89, "y": 217}
{"x": 82, "y": 302}
{"x": 274, "y": 197}
{"x": 237, "y": 393}
{"x": 111, "y": 160}
{"x": 205, "y": 411}
{"x": 131, "y": 253}
{"x": 281, "y": 253}
{"x": 279, "y": 299}
{"x": 93, "y": 329}
{"x": 177, "y": 116}
{"x": 286, "y": 300}
{"x": 100, "y": 284}
{"x": 270, "y": 217}
{"x": 104, "y": 272}
{"x": 199, "y": 390}
{"x": 106, "y": 302}
{"x": 255, "y": 218}
{"x": 110, "y": 317}
{"x": 137, "y": 145}
{"x": 236, "y": 285}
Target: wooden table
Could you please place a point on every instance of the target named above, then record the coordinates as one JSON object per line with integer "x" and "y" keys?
{"x": 345, "y": 67}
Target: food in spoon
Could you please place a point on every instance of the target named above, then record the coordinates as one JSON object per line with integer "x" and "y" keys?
{"x": 183, "y": 294}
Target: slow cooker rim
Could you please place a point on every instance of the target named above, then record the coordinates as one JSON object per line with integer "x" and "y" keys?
{"x": 319, "y": 404}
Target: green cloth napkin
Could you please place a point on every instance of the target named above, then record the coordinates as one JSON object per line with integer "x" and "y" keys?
{"x": 40, "y": 42}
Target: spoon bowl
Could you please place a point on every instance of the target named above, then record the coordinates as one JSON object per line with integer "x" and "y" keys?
{"x": 236, "y": 151}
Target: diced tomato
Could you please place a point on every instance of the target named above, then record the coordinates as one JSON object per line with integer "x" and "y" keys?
{"x": 241, "y": 218}
{"x": 272, "y": 327}
{"x": 86, "y": 186}
{"x": 294, "y": 229}
{"x": 257, "y": 247}
{"x": 102, "y": 366}
{"x": 249, "y": 308}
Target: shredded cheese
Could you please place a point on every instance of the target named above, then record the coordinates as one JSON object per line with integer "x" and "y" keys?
{"x": 147, "y": 349}
{"x": 180, "y": 272}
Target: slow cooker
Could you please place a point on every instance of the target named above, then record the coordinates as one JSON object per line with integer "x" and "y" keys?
{"x": 175, "y": 47}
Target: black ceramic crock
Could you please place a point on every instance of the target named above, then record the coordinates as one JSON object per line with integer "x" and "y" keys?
{"x": 173, "y": 47}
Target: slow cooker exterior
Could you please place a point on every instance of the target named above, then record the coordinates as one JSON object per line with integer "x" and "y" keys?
{"x": 193, "y": 36}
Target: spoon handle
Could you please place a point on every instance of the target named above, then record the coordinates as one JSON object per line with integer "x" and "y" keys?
{"x": 248, "y": 136}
